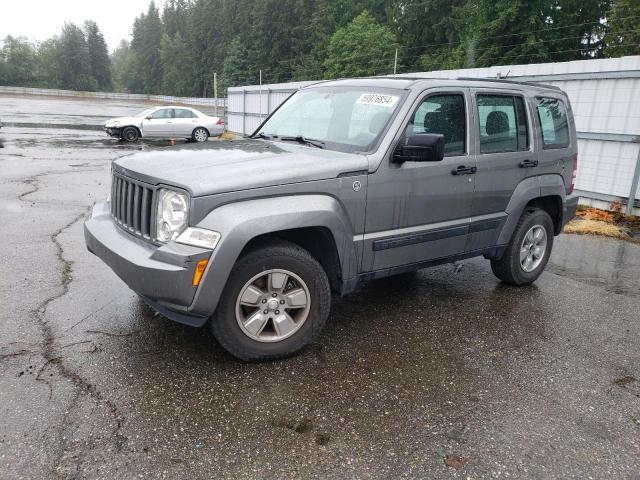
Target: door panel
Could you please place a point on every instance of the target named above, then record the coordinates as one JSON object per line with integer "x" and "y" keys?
{"x": 505, "y": 157}
{"x": 184, "y": 122}
{"x": 160, "y": 124}
{"x": 419, "y": 211}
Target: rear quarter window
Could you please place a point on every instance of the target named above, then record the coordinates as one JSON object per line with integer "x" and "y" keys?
{"x": 552, "y": 114}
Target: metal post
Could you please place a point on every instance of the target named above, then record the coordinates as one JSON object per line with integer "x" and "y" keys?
{"x": 215, "y": 91}
{"x": 260, "y": 94}
{"x": 634, "y": 185}
{"x": 395, "y": 62}
{"x": 268, "y": 101}
{"x": 244, "y": 110}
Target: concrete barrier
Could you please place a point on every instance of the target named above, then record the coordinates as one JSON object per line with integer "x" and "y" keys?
{"x": 167, "y": 99}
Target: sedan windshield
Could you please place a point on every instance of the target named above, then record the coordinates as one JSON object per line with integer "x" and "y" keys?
{"x": 348, "y": 119}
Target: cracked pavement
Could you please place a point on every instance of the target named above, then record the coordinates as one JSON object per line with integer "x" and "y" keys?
{"x": 444, "y": 373}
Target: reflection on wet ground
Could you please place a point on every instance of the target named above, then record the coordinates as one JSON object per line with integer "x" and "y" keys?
{"x": 611, "y": 264}
{"x": 444, "y": 373}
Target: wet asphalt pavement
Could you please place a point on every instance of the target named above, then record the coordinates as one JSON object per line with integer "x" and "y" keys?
{"x": 440, "y": 374}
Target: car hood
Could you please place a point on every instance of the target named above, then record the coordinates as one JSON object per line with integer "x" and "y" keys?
{"x": 120, "y": 121}
{"x": 227, "y": 166}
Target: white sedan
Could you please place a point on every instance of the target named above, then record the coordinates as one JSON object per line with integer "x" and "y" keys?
{"x": 166, "y": 122}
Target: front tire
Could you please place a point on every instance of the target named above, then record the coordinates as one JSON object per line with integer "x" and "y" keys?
{"x": 528, "y": 251}
{"x": 276, "y": 301}
{"x": 200, "y": 135}
{"x": 130, "y": 134}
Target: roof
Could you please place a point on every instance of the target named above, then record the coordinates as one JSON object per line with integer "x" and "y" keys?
{"x": 406, "y": 82}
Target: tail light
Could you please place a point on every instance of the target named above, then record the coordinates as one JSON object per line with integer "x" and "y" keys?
{"x": 574, "y": 160}
{"x": 220, "y": 122}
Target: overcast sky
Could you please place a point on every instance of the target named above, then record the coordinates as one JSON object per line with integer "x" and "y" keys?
{"x": 41, "y": 19}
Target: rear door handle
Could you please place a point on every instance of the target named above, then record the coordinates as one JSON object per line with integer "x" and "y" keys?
{"x": 528, "y": 163}
{"x": 463, "y": 169}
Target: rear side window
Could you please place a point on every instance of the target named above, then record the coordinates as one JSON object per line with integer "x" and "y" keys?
{"x": 553, "y": 120}
{"x": 503, "y": 124}
{"x": 184, "y": 113}
{"x": 443, "y": 114}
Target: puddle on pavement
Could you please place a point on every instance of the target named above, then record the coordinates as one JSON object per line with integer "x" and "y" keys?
{"x": 604, "y": 262}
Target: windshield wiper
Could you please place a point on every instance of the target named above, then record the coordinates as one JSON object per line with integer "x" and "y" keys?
{"x": 263, "y": 135}
{"x": 304, "y": 140}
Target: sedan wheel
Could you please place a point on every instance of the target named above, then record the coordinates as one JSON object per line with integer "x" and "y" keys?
{"x": 130, "y": 134}
{"x": 200, "y": 134}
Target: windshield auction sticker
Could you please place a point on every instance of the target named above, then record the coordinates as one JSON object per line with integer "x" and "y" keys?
{"x": 378, "y": 99}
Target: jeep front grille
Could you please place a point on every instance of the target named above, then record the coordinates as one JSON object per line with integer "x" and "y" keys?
{"x": 132, "y": 205}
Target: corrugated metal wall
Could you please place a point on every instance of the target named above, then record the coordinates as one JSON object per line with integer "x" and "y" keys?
{"x": 604, "y": 94}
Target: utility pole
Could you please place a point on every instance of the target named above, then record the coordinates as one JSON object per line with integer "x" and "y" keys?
{"x": 215, "y": 91}
{"x": 395, "y": 62}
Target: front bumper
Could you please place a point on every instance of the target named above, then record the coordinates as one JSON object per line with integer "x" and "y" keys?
{"x": 113, "y": 131}
{"x": 161, "y": 275}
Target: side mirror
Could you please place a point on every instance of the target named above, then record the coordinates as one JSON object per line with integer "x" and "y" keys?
{"x": 147, "y": 118}
{"x": 420, "y": 147}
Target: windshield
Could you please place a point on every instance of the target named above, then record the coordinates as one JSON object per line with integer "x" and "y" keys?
{"x": 348, "y": 119}
{"x": 144, "y": 113}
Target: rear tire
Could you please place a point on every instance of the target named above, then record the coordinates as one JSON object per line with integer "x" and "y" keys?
{"x": 130, "y": 134}
{"x": 528, "y": 251}
{"x": 248, "y": 295}
{"x": 200, "y": 134}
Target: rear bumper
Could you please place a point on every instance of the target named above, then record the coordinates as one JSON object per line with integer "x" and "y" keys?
{"x": 570, "y": 208}
{"x": 162, "y": 276}
{"x": 216, "y": 131}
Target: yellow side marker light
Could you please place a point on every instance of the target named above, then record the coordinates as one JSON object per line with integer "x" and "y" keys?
{"x": 199, "y": 271}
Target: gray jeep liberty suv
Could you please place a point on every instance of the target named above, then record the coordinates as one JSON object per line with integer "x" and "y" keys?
{"x": 347, "y": 180}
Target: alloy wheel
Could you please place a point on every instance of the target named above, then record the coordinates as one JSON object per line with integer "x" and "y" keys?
{"x": 200, "y": 135}
{"x": 272, "y": 305}
{"x": 533, "y": 248}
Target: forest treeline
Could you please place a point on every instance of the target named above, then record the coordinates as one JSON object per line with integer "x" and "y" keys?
{"x": 177, "y": 49}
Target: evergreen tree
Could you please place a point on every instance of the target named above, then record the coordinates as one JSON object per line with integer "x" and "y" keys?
{"x": 99, "y": 63}
{"x": 428, "y": 45}
{"x": 73, "y": 59}
{"x": 495, "y": 32}
{"x": 623, "y": 35}
{"x": 49, "y": 71}
{"x": 312, "y": 39}
{"x": 120, "y": 63}
{"x": 175, "y": 16}
{"x": 145, "y": 45}
{"x": 238, "y": 69}
{"x": 19, "y": 62}
{"x": 176, "y": 63}
{"x": 575, "y": 29}
{"x": 363, "y": 47}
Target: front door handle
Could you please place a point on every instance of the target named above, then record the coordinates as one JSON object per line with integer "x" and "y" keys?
{"x": 528, "y": 163}
{"x": 463, "y": 169}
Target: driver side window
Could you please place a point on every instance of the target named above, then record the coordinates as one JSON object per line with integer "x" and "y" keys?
{"x": 443, "y": 114}
{"x": 163, "y": 113}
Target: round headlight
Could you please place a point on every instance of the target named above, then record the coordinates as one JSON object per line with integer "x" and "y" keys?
{"x": 172, "y": 214}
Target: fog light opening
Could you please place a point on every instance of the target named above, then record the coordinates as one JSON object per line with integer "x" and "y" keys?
{"x": 199, "y": 271}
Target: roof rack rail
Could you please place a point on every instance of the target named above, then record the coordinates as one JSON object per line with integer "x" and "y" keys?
{"x": 507, "y": 80}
